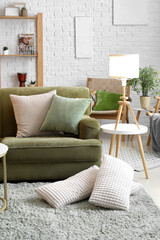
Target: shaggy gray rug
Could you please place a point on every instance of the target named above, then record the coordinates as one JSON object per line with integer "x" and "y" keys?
{"x": 30, "y": 218}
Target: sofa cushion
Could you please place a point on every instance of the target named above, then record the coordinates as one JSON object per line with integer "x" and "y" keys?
{"x": 30, "y": 112}
{"x": 64, "y": 114}
{"x": 52, "y": 149}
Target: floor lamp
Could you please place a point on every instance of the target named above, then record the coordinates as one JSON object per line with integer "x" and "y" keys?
{"x": 124, "y": 67}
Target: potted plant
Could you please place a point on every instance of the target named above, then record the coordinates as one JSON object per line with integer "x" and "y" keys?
{"x": 5, "y": 51}
{"x": 32, "y": 84}
{"x": 24, "y": 12}
{"x": 148, "y": 82}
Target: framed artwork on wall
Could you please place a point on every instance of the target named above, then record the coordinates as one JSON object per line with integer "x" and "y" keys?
{"x": 130, "y": 12}
{"x": 26, "y": 44}
{"x": 84, "y": 37}
{"x": 20, "y": 6}
{"x": 12, "y": 11}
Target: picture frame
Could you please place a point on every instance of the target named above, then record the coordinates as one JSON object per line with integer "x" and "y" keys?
{"x": 130, "y": 12}
{"x": 26, "y": 44}
{"x": 84, "y": 37}
{"x": 12, "y": 11}
{"x": 20, "y": 6}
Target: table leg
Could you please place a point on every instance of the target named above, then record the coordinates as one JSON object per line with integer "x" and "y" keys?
{"x": 149, "y": 139}
{"x": 124, "y": 120}
{"x": 137, "y": 117}
{"x": 118, "y": 145}
{"x": 5, "y": 180}
{"x": 142, "y": 155}
{"x": 112, "y": 144}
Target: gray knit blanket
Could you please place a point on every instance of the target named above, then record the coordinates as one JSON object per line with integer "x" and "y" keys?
{"x": 155, "y": 133}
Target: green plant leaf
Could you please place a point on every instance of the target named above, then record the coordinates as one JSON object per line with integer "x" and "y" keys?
{"x": 148, "y": 81}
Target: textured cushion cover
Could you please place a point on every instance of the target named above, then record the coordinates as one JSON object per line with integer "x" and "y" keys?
{"x": 65, "y": 114}
{"x": 135, "y": 187}
{"x": 107, "y": 101}
{"x": 30, "y": 112}
{"x": 73, "y": 189}
{"x": 113, "y": 184}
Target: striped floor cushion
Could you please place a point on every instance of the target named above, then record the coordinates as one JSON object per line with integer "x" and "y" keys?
{"x": 73, "y": 189}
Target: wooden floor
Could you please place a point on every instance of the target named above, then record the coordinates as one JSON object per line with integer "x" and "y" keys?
{"x": 151, "y": 185}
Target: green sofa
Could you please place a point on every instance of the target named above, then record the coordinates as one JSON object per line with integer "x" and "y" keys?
{"x": 48, "y": 158}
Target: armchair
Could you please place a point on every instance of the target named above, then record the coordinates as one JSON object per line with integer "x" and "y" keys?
{"x": 150, "y": 114}
{"x": 111, "y": 85}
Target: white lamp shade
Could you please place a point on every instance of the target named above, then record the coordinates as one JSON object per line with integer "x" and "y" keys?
{"x": 124, "y": 66}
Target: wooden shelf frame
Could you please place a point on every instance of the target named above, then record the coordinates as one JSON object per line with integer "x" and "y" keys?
{"x": 17, "y": 17}
{"x": 39, "y": 54}
{"x": 19, "y": 55}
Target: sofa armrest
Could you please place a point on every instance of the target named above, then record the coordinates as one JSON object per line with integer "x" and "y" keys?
{"x": 89, "y": 128}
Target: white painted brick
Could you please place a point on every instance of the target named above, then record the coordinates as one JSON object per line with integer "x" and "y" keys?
{"x": 60, "y": 65}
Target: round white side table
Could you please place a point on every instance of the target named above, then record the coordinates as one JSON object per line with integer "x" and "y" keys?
{"x": 3, "y": 152}
{"x": 139, "y": 110}
{"x": 126, "y": 129}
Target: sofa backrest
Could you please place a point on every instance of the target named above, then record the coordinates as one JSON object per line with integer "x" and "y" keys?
{"x": 8, "y": 125}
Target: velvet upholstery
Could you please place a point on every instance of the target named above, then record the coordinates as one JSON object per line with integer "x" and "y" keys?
{"x": 48, "y": 158}
{"x": 44, "y": 171}
{"x": 43, "y": 149}
{"x": 89, "y": 128}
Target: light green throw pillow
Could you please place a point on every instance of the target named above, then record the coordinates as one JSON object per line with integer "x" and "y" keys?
{"x": 107, "y": 101}
{"x": 65, "y": 114}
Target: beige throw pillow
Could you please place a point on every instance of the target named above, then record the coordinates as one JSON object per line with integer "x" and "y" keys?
{"x": 73, "y": 189}
{"x": 30, "y": 112}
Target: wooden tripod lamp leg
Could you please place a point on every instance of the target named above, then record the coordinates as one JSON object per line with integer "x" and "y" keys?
{"x": 119, "y": 115}
{"x": 137, "y": 117}
{"x": 124, "y": 119}
{"x": 133, "y": 116}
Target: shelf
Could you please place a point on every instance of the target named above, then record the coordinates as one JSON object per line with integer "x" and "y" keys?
{"x": 19, "y": 55}
{"x": 17, "y": 17}
{"x": 38, "y": 54}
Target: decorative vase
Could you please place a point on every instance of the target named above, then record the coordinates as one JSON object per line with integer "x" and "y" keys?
{"x": 24, "y": 12}
{"x": 22, "y": 79}
{"x": 5, "y": 52}
{"x": 145, "y": 102}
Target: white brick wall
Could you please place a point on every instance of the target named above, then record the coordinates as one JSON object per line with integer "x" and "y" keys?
{"x": 60, "y": 65}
